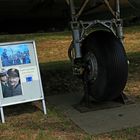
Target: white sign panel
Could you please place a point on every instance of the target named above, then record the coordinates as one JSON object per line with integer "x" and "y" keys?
{"x": 20, "y": 79}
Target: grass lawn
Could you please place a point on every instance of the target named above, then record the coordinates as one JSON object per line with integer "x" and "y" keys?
{"x": 27, "y": 121}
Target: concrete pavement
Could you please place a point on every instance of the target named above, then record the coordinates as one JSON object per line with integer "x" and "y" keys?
{"x": 97, "y": 121}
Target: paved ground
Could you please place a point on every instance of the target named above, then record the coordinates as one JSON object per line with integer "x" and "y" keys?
{"x": 99, "y": 121}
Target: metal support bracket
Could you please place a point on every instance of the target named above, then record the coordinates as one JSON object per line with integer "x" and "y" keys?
{"x": 80, "y": 29}
{"x": 118, "y": 20}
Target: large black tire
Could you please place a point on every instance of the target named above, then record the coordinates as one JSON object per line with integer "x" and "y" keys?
{"x": 111, "y": 69}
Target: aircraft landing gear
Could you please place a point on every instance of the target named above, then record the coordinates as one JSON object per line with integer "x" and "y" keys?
{"x": 99, "y": 57}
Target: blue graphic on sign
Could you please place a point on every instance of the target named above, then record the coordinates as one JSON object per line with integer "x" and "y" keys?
{"x": 29, "y": 79}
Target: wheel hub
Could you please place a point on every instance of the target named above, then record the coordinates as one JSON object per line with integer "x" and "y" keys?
{"x": 91, "y": 67}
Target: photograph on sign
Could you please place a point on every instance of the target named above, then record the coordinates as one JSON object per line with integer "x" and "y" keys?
{"x": 15, "y": 55}
{"x": 10, "y": 82}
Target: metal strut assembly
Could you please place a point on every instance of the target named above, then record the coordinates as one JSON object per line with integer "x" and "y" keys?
{"x": 75, "y": 31}
{"x": 117, "y": 21}
{"x": 79, "y": 29}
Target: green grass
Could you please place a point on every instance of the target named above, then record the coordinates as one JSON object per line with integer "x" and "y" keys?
{"x": 27, "y": 121}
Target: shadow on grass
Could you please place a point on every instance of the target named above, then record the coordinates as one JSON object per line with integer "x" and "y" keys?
{"x": 133, "y": 84}
{"x": 57, "y": 78}
{"x": 134, "y": 66}
{"x": 20, "y": 109}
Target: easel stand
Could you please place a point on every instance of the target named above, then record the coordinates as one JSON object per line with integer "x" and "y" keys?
{"x": 2, "y": 115}
{"x": 2, "y": 112}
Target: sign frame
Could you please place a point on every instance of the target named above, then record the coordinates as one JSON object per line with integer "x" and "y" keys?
{"x": 19, "y": 65}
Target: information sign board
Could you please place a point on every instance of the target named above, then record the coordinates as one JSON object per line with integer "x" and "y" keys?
{"x": 20, "y": 79}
